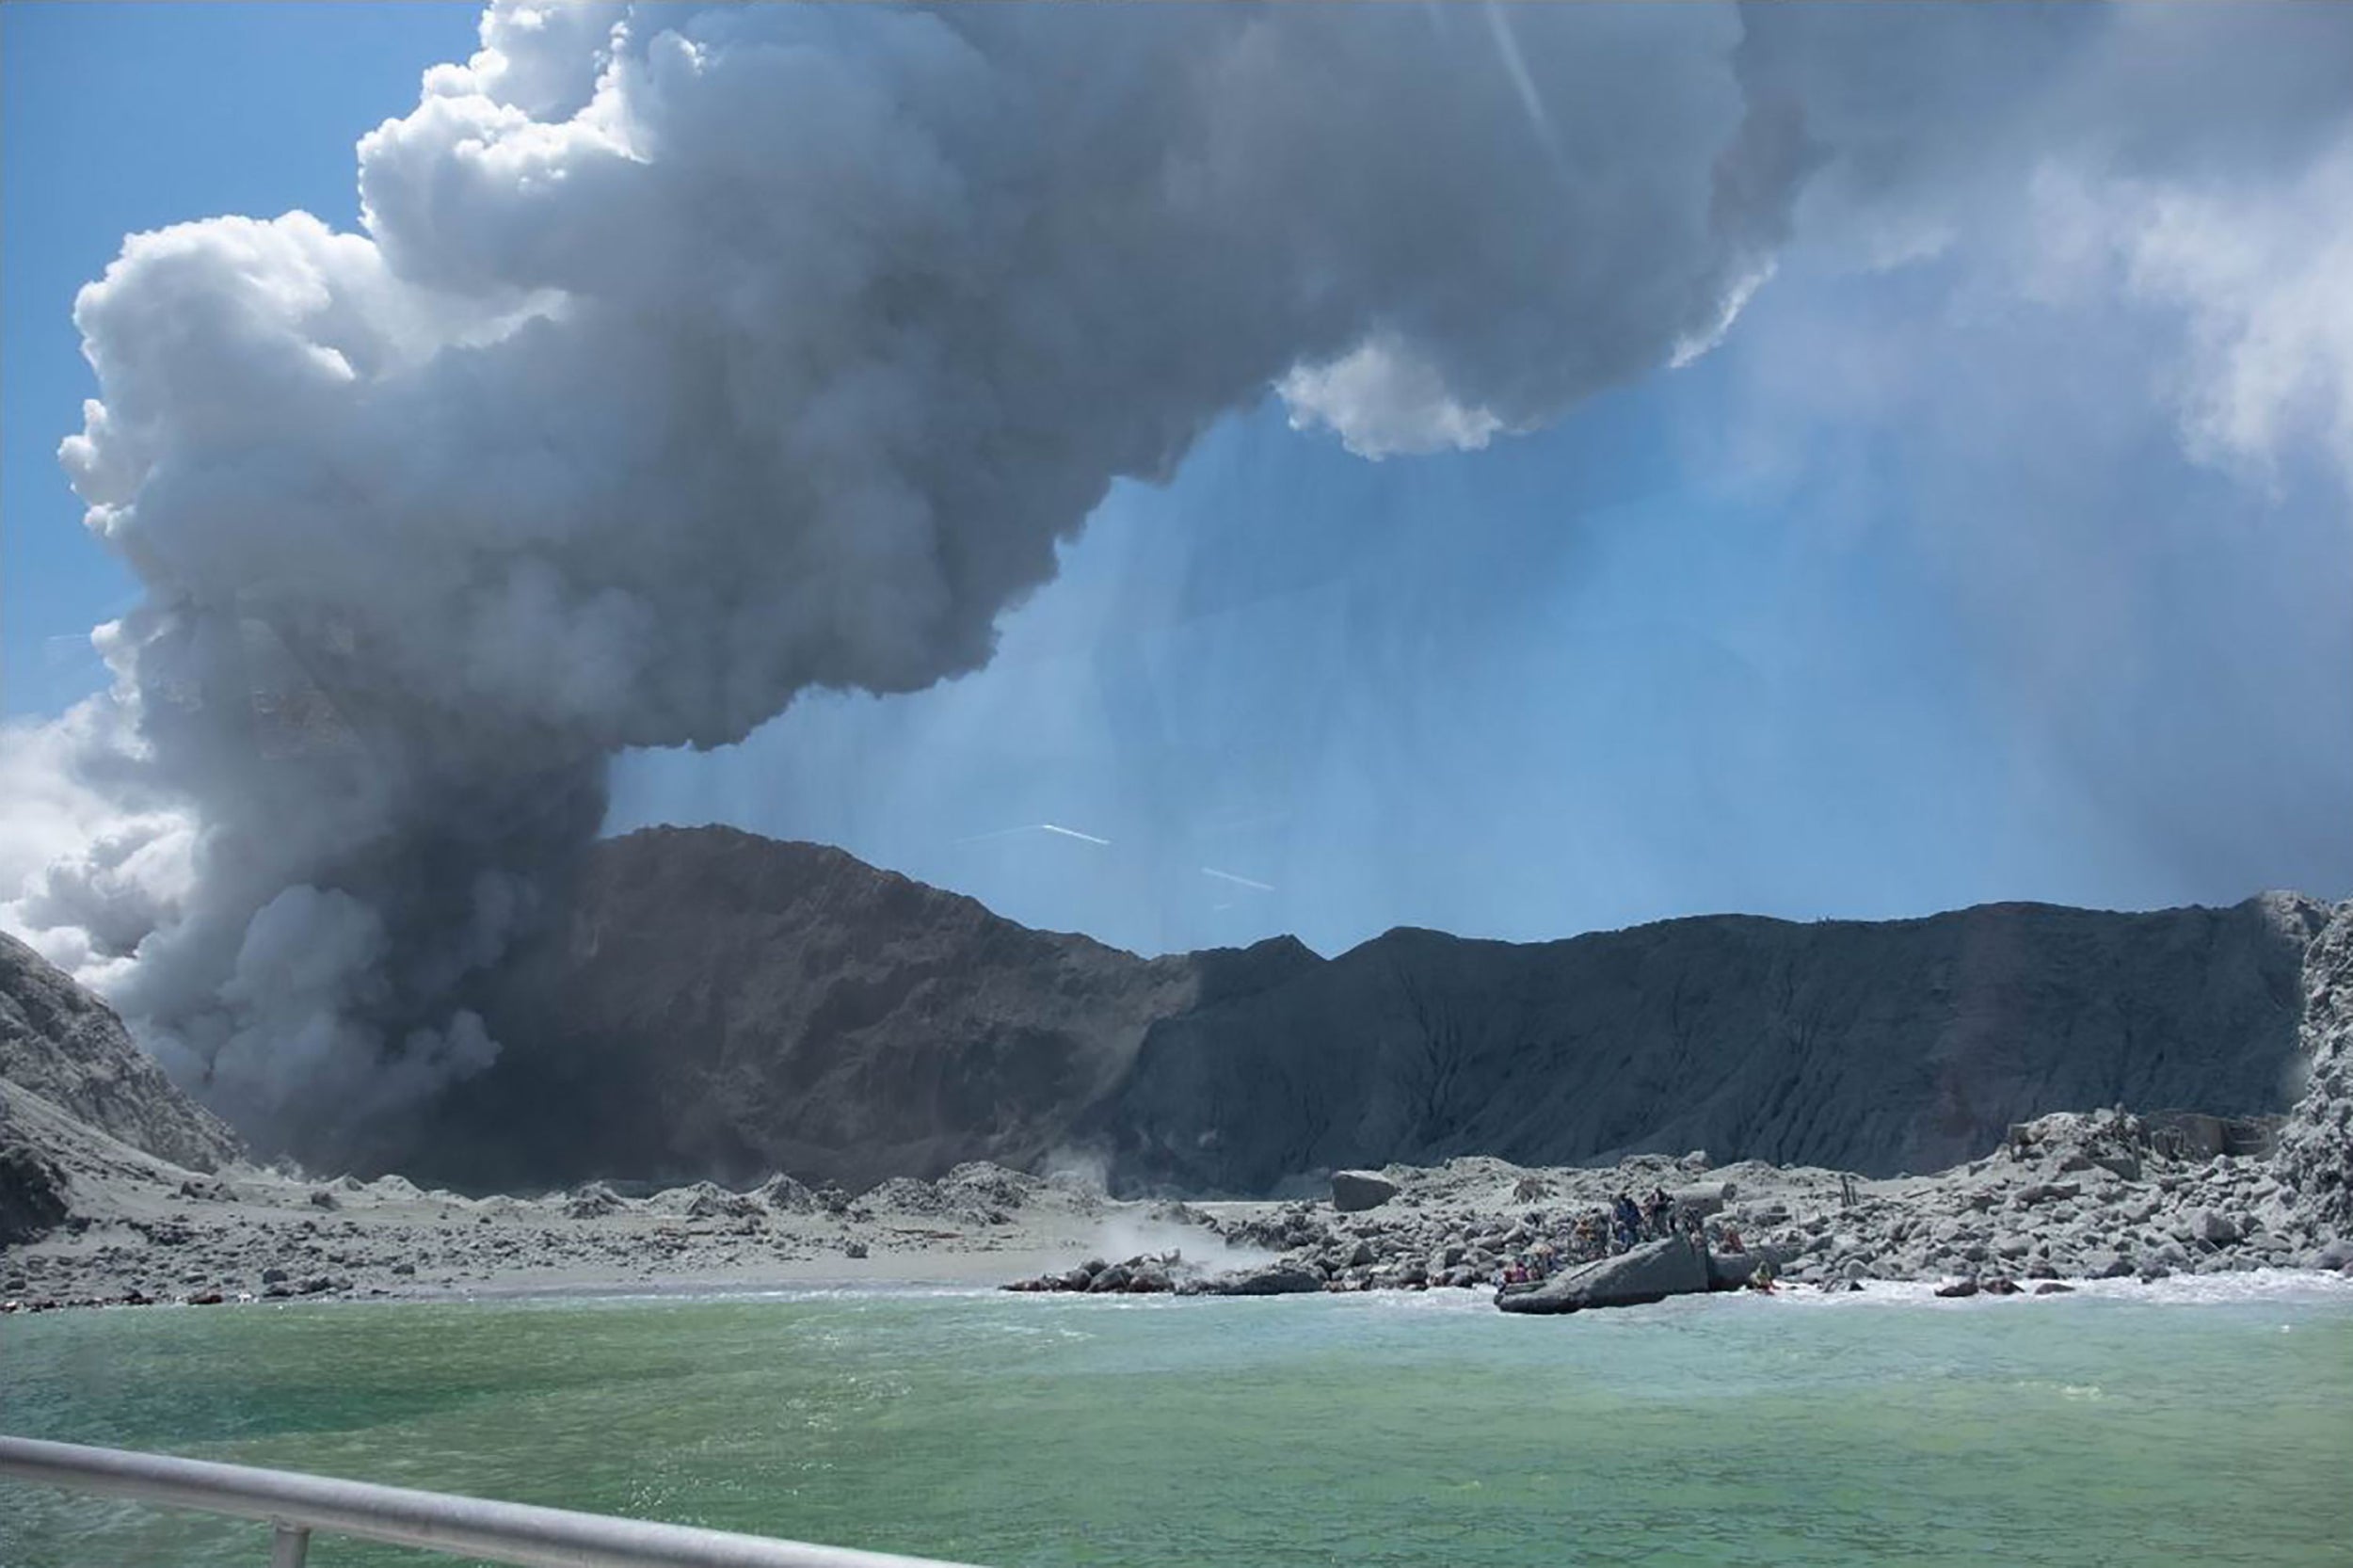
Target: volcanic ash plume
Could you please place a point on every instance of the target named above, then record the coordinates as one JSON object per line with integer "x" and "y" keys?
{"x": 690, "y": 359}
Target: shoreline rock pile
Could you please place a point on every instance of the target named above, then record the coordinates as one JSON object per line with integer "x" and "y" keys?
{"x": 2315, "y": 1151}
{"x": 2099, "y": 1196}
{"x": 1139, "y": 1275}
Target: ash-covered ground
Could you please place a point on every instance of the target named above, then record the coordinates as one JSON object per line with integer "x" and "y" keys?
{"x": 2074, "y": 1196}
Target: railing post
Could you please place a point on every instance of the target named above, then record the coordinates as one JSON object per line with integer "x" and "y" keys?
{"x": 288, "y": 1544}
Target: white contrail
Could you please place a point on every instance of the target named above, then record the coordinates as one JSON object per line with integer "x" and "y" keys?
{"x": 1237, "y": 881}
{"x": 1035, "y": 828}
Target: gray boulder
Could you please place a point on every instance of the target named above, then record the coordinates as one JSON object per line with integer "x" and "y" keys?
{"x": 1353, "y": 1191}
{"x": 1675, "y": 1267}
{"x": 1276, "y": 1279}
{"x": 592, "y": 1201}
{"x": 1731, "y": 1271}
{"x": 32, "y": 1194}
{"x": 1704, "y": 1199}
{"x": 2208, "y": 1225}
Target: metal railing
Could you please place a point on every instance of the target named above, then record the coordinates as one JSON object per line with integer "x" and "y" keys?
{"x": 294, "y": 1505}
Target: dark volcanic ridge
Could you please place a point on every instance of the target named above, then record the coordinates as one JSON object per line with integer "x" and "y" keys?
{"x": 718, "y": 1006}
{"x": 721, "y": 1006}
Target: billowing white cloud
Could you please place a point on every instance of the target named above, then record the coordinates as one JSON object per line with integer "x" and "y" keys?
{"x": 692, "y": 358}
{"x": 92, "y": 857}
{"x": 2260, "y": 277}
{"x": 1380, "y": 400}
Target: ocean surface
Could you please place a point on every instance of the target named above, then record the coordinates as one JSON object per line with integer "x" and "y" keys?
{"x": 2200, "y": 1421}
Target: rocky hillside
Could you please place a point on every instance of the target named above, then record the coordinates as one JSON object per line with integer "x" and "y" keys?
{"x": 1878, "y": 1048}
{"x": 78, "y": 1098}
{"x": 726, "y": 1005}
{"x": 62, "y": 1044}
{"x": 723, "y": 1005}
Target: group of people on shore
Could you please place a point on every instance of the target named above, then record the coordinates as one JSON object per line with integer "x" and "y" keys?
{"x": 1598, "y": 1233}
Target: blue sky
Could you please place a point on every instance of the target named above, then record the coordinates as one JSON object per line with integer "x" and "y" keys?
{"x": 1906, "y": 596}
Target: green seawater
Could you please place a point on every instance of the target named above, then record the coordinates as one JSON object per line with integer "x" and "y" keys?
{"x": 2126, "y": 1429}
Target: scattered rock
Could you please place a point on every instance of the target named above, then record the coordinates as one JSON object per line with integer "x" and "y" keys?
{"x": 710, "y": 1201}
{"x": 784, "y": 1195}
{"x": 2209, "y": 1224}
{"x": 1702, "y": 1200}
{"x": 1353, "y": 1191}
{"x": 1650, "y": 1272}
{"x": 32, "y": 1194}
{"x": 1275, "y": 1279}
{"x": 591, "y": 1202}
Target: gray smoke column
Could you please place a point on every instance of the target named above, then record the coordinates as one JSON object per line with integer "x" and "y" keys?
{"x": 690, "y": 359}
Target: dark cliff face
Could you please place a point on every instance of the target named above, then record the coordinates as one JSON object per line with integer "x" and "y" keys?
{"x": 717, "y": 1004}
{"x": 61, "y": 1043}
{"x": 724, "y": 1005}
{"x": 1906, "y": 1044}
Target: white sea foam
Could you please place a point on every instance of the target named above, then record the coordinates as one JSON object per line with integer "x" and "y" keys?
{"x": 2258, "y": 1285}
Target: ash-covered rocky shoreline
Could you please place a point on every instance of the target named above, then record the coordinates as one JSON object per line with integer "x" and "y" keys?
{"x": 87, "y": 1219}
{"x": 2093, "y": 1196}
{"x": 2096, "y": 1196}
